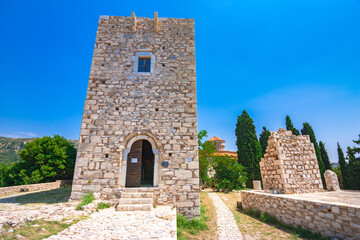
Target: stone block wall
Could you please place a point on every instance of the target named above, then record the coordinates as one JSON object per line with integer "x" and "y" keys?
{"x": 332, "y": 220}
{"x": 290, "y": 165}
{"x": 123, "y": 105}
{"x": 34, "y": 187}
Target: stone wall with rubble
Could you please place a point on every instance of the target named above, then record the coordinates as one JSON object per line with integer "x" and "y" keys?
{"x": 333, "y": 220}
{"x": 34, "y": 187}
{"x": 122, "y": 104}
{"x": 290, "y": 165}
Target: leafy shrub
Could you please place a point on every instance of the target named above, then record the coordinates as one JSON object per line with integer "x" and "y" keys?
{"x": 206, "y": 151}
{"x": 5, "y": 168}
{"x": 229, "y": 173}
{"x": 102, "y": 205}
{"x": 44, "y": 159}
{"x": 86, "y": 199}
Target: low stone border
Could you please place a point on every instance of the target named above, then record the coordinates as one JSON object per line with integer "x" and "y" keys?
{"x": 34, "y": 187}
{"x": 329, "y": 219}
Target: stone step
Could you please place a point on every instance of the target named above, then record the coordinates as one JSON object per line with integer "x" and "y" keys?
{"x": 137, "y": 207}
{"x": 134, "y": 201}
{"x": 136, "y": 195}
{"x": 144, "y": 189}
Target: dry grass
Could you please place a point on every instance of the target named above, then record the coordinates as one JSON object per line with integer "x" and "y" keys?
{"x": 250, "y": 227}
{"x": 211, "y": 232}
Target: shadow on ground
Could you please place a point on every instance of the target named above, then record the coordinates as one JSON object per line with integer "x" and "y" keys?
{"x": 44, "y": 197}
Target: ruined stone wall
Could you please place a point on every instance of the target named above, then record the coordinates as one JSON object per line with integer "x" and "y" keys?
{"x": 34, "y": 187}
{"x": 290, "y": 165}
{"x": 122, "y": 104}
{"x": 333, "y": 220}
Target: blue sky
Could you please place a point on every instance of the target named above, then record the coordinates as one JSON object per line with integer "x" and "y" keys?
{"x": 271, "y": 58}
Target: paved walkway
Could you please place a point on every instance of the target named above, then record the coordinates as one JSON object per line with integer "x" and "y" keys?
{"x": 159, "y": 223}
{"x": 227, "y": 227}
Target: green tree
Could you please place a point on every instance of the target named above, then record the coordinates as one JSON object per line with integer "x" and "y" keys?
{"x": 290, "y": 126}
{"x": 337, "y": 170}
{"x": 324, "y": 156}
{"x": 43, "y": 160}
{"x": 307, "y": 130}
{"x": 354, "y": 166}
{"x": 249, "y": 149}
{"x": 4, "y": 173}
{"x": 343, "y": 167}
{"x": 229, "y": 174}
{"x": 264, "y": 137}
{"x": 206, "y": 151}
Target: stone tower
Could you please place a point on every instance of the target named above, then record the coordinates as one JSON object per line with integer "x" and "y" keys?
{"x": 139, "y": 125}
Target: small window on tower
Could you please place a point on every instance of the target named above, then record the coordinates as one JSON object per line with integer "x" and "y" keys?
{"x": 144, "y": 64}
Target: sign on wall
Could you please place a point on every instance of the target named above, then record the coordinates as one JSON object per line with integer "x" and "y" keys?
{"x": 165, "y": 163}
{"x": 134, "y": 160}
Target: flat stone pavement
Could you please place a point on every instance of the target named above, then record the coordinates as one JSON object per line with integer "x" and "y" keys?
{"x": 340, "y": 197}
{"x": 227, "y": 227}
{"x": 159, "y": 223}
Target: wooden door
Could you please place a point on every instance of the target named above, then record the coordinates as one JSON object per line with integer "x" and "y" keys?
{"x": 134, "y": 162}
{"x": 147, "y": 163}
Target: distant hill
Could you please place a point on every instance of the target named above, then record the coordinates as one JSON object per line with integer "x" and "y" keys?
{"x": 10, "y": 147}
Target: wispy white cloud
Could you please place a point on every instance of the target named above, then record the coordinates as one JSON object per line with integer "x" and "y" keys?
{"x": 19, "y": 135}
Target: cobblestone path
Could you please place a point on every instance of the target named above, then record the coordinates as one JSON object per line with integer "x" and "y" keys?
{"x": 159, "y": 223}
{"x": 227, "y": 227}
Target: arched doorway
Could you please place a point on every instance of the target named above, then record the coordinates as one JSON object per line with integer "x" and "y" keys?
{"x": 140, "y": 165}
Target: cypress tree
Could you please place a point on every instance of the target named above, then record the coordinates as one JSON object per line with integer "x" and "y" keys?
{"x": 324, "y": 156}
{"x": 343, "y": 167}
{"x": 307, "y": 130}
{"x": 249, "y": 149}
{"x": 290, "y": 126}
{"x": 264, "y": 137}
{"x": 354, "y": 166}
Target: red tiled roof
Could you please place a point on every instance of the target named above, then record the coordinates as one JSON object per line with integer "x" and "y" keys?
{"x": 224, "y": 152}
{"x": 214, "y": 138}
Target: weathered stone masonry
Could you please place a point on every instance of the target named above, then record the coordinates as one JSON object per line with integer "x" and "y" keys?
{"x": 290, "y": 165}
{"x": 329, "y": 219}
{"x": 123, "y": 106}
